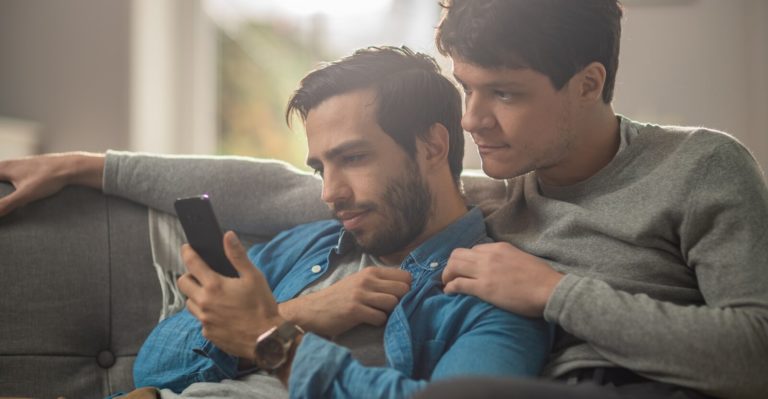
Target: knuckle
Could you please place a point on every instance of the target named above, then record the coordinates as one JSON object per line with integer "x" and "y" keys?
{"x": 186, "y": 254}
{"x": 391, "y": 302}
{"x": 379, "y": 320}
{"x": 357, "y": 296}
{"x": 213, "y": 287}
{"x": 204, "y": 303}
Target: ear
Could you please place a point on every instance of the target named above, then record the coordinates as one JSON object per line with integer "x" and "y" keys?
{"x": 433, "y": 147}
{"x": 591, "y": 81}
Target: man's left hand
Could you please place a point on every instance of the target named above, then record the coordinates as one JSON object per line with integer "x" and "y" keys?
{"x": 232, "y": 311}
{"x": 502, "y": 275}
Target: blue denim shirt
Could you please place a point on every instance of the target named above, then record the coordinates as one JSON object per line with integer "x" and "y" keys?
{"x": 428, "y": 336}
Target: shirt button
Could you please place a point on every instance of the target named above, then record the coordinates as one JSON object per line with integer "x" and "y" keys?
{"x": 434, "y": 265}
{"x": 316, "y": 269}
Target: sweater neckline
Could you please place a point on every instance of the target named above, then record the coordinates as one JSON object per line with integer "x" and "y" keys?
{"x": 628, "y": 130}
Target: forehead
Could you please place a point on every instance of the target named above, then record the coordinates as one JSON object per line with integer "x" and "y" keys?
{"x": 343, "y": 118}
{"x": 470, "y": 74}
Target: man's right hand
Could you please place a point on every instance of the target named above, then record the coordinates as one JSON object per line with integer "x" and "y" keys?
{"x": 41, "y": 176}
{"x": 367, "y": 296}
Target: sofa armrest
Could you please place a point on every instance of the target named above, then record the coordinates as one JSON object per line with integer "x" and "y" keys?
{"x": 78, "y": 294}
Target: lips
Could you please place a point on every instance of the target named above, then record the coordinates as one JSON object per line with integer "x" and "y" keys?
{"x": 484, "y": 148}
{"x": 351, "y": 219}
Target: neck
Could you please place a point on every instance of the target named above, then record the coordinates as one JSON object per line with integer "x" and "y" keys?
{"x": 595, "y": 141}
{"x": 448, "y": 205}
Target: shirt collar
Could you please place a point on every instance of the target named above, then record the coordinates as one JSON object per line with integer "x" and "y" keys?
{"x": 465, "y": 232}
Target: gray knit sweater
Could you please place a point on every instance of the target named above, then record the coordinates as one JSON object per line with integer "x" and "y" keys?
{"x": 665, "y": 249}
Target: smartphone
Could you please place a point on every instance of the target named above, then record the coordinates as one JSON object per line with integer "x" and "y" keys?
{"x": 203, "y": 232}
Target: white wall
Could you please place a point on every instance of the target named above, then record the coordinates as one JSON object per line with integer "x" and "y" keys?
{"x": 65, "y": 64}
{"x": 699, "y": 62}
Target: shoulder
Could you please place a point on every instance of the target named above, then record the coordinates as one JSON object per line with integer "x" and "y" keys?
{"x": 684, "y": 154}
{"x": 320, "y": 235}
{"x": 705, "y": 164}
{"x": 694, "y": 142}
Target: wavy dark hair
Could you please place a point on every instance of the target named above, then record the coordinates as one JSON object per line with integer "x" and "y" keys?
{"x": 557, "y": 38}
{"x": 411, "y": 95}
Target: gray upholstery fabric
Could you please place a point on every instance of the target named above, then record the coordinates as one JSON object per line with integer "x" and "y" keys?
{"x": 78, "y": 287}
{"x": 77, "y": 290}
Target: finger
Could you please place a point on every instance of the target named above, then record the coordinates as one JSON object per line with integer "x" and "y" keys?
{"x": 463, "y": 285}
{"x": 11, "y": 202}
{"x": 4, "y": 174}
{"x": 463, "y": 253}
{"x": 236, "y": 254}
{"x": 189, "y": 286}
{"x": 7, "y": 205}
{"x": 492, "y": 247}
{"x": 391, "y": 273}
{"x": 390, "y": 287}
{"x": 197, "y": 266}
{"x": 194, "y": 309}
{"x": 372, "y": 316}
{"x": 382, "y": 302}
{"x": 460, "y": 267}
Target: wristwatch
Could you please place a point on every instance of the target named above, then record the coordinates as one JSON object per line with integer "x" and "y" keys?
{"x": 274, "y": 346}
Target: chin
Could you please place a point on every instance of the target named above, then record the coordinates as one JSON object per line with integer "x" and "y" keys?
{"x": 497, "y": 171}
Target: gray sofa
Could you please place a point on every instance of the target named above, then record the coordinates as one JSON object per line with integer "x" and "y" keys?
{"x": 78, "y": 295}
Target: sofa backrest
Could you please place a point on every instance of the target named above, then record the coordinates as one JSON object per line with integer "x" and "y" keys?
{"x": 78, "y": 295}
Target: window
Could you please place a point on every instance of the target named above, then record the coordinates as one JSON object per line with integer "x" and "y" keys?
{"x": 265, "y": 47}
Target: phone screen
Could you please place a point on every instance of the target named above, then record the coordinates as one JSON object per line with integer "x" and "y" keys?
{"x": 203, "y": 232}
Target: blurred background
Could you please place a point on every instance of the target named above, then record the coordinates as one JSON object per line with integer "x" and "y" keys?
{"x": 213, "y": 76}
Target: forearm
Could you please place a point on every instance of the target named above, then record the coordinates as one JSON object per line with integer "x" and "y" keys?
{"x": 322, "y": 369}
{"x": 292, "y": 310}
{"x": 497, "y": 344}
{"x": 250, "y": 196}
{"x": 85, "y": 169}
{"x": 718, "y": 350}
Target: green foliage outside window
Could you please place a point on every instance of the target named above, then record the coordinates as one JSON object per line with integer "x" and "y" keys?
{"x": 259, "y": 67}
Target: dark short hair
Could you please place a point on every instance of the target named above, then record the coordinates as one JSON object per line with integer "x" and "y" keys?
{"x": 557, "y": 38}
{"x": 411, "y": 95}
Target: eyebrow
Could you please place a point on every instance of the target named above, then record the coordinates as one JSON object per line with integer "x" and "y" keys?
{"x": 494, "y": 83}
{"x": 335, "y": 152}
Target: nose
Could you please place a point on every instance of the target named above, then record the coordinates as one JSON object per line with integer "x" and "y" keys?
{"x": 477, "y": 115}
{"x": 335, "y": 187}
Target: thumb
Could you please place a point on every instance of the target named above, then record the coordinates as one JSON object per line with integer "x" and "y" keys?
{"x": 236, "y": 253}
{"x": 9, "y": 203}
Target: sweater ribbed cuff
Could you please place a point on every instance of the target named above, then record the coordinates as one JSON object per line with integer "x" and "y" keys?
{"x": 557, "y": 301}
{"x": 111, "y": 170}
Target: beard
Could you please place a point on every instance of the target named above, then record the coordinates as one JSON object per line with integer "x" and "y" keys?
{"x": 405, "y": 208}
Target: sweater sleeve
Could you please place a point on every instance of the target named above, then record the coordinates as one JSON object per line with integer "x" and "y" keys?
{"x": 719, "y": 347}
{"x": 252, "y": 196}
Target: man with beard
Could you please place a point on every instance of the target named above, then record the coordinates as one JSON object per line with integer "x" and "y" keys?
{"x": 383, "y": 132}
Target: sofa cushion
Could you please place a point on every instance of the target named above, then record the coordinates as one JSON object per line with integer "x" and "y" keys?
{"x": 78, "y": 295}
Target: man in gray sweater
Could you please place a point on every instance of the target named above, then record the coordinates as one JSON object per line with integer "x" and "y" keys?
{"x": 646, "y": 245}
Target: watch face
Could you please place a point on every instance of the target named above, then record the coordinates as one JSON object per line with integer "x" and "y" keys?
{"x": 271, "y": 353}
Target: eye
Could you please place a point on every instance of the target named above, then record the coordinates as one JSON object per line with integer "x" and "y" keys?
{"x": 503, "y": 95}
{"x": 353, "y": 158}
{"x": 506, "y": 96}
{"x": 318, "y": 171}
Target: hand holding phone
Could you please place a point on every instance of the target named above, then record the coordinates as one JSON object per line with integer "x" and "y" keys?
{"x": 203, "y": 233}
